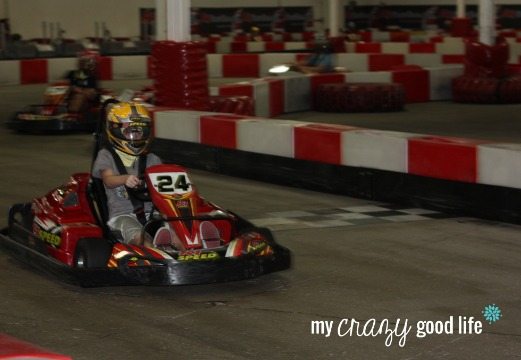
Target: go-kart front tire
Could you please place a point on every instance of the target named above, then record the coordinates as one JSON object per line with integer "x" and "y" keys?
{"x": 92, "y": 253}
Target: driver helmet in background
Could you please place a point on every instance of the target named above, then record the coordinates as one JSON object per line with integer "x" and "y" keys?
{"x": 129, "y": 127}
{"x": 88, "y": 61}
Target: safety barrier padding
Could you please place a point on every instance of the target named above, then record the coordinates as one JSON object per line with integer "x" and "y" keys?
{"x": 359, "y": 97}
{"x": 273, "y": 137}
{"x": 11, "y": 72}
{"x": 376, "y": 149}
{"x": 58, "y": 67}
{"x": 241, "y": 65}
{"x": 320, "y": 142}
{"x": 220, "y": 130}
{"x": 472, "y": 177}
{"x": 385, "y": 62}
{"x": 444, "y": 158}
{"x": 500, "y": 165}
{"x": 415, "y": 82}
{"x": 33, "y": 71}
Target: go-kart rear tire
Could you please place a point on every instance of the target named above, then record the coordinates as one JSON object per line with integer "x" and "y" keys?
{"x": 92, "y": 253}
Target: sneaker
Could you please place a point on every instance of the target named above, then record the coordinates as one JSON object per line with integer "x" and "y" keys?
{"x": 163, "y": 237}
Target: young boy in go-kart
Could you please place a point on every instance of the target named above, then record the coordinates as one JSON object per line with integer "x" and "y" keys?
{"x": 119, "y": 165}
{"x": 83, "y": 82}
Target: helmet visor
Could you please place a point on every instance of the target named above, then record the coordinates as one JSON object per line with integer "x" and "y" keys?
{"x": 133, "y": 132}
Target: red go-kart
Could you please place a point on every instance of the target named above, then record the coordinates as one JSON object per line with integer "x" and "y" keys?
{"x": 65, "y": 233}
{"x": 53, "y": 114}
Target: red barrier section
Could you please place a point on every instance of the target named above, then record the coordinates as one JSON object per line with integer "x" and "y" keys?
{"x": 105, "y": 68}
{"x": 150, "y": 68}
{"x": 329, "y": 78}
{"x": 368, "y": 48}
{"x": 239, "y": 105}
{"x": 366, "y": 36}
{"x": 461, "y": 27}
{"x": 422, "y": 48}
{"x": 384, "y": 62}
{"x": 453, "y": 59}
{"x": 400, "y": 36}
{"x": 329, "y": 137}
{"x": 33, "y": 71}
{"x": 241, "y": 65}
{"x": 478, "y": 90}
{"x": 236, "y": 90}
{"x": 220, "y": 130}
{"x": 11, "y": 348}
{"x": 276, "y": 97}
{"x": 238, "y": 46}
{"x": 486, "y": 61}
{"x": 443, "y": 158}
{"x": 274, "y": 46}
{"x": 211, "y": 47}
{"x": 181, "y": 78}
{"x": 416, "y": 83}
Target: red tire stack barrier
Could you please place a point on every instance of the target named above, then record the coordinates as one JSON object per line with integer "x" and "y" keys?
{"x": 180, "y": 74}
{"x": 486, "y": 61}
{"x": 240, "y": 105}
{"x": 474, "y": 90}
{"x": 359, "y": 97}
{"x": 485, "y": 78}
{"x": 510, "y": 90}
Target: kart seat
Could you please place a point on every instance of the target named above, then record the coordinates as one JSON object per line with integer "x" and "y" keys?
{"x": 98, "y": 198}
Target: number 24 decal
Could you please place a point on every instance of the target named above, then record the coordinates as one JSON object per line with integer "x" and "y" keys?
{"x": 171, "y": 183}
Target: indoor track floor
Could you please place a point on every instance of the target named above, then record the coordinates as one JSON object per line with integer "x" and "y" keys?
{"x": 353, "y": 259}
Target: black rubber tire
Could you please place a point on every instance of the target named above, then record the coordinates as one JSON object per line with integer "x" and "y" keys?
{"x": 92, "y": 253}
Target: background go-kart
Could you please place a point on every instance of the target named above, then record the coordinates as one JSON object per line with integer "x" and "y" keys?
{"x": 352, "y": 259}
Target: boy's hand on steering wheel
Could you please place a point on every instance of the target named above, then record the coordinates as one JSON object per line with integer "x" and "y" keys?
{"x": 132, "y": 181}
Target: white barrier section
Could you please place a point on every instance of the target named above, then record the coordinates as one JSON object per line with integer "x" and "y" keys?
{"x": 450, "y": 46}
{"x": 376, "y": 149}
{"x": 424, "y": 60}
{"x": 381, "y": 36}
{"x": 269, "y": 60}
{"x": 295, "y": 46}
{"x": 59, "y": 67}
{"x": 440, "y": 81}
{"x": 261, "y": 94}
{"x": 129, "y": 67}
{"x": 10, "y": 72}
{"x": 500, "y": 165}
{"x": 370, "y": 77}
{"x": 395, "y": 48}
{"x": 215, "y": 65}
{"x": 223, "y": 47}
{"x": 178, "y": 125}
{"x": 297, "y": 93}
{"x": 515, "y": 53}
{"x": 267, "y": 136}
{"x": 353, "y": 62}
{"x": 255, "y": 46}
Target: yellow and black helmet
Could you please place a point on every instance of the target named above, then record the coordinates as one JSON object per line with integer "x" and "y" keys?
{"x": 129, "y": 127}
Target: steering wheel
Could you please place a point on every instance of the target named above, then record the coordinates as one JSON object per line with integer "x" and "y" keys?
{"x": 140, "y": 192}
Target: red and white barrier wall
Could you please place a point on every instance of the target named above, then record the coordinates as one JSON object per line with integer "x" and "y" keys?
{"x": 440, "y": 157}
{"x": 277, "y": 95}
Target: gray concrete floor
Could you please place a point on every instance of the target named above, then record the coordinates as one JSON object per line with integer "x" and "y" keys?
{"x": 422, "y": 270}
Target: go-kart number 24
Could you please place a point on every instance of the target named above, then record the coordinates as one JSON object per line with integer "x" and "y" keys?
{"x": 171, "y": 183}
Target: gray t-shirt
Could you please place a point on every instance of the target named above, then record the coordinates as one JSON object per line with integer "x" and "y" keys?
{"x": 118, "y": 201}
